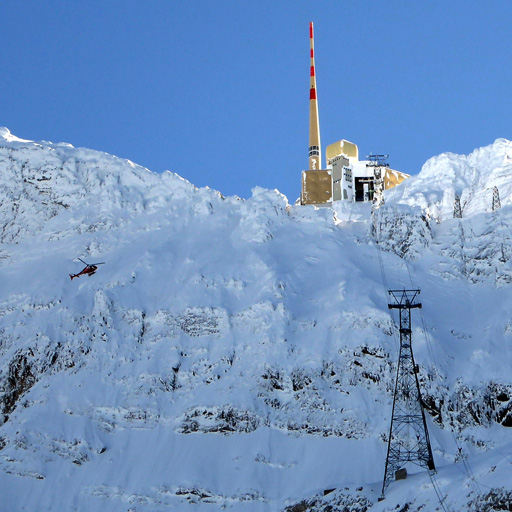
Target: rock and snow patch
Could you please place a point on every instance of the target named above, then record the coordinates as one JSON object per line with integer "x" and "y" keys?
{"x": 403, "y": 231}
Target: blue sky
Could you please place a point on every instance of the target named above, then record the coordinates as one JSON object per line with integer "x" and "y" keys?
{"x": 218, "y": 91}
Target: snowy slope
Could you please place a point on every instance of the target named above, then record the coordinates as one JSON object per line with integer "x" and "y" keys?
{"x": 239, "y": 354}
{"x": 471, "y": 177}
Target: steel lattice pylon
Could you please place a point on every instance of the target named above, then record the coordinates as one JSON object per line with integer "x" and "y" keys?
{"x": 379, "y": 163}
{"x": 457, "y": 210}
{"x": 408, "y": 434}
{"x": 496, "y": 203}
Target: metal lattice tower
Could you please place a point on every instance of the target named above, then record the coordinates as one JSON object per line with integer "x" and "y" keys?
{"x": 379, "y": 163}
{"x": 496, "y": 203}
{"x": 457, "y": 210}
{"x": 408, "y": 434}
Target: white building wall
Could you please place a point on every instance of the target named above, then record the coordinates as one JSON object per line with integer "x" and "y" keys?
{"x": 342, "y": 181}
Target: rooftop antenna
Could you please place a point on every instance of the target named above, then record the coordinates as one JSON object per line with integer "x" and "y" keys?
{"x": 377, "y": 160}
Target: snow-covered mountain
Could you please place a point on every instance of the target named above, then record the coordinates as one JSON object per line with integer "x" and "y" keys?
{"x": 471, "y": 177}
{"x": 239, "y": 354}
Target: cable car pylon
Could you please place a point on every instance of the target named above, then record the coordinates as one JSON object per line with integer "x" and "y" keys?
{"x": 408, "y": 435}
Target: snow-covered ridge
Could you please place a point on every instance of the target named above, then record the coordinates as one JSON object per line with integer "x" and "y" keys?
{"x": 41, "y": 180}
{"x": 9, "y": 137}
{"x": 237, "y": 354}
{"x": 471, "y": 177}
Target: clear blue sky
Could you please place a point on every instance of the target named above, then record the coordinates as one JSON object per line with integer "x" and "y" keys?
{"x": 218, "y": 91}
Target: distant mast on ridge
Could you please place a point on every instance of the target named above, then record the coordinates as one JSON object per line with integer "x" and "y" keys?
{"x": 314, "y": 126}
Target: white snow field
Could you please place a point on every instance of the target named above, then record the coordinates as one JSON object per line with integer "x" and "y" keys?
{"x": 239, "y": 354}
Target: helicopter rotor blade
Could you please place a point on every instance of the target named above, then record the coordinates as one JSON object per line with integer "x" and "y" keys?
{"x": 102, "y": 263}
{"x": 83, "y": 261}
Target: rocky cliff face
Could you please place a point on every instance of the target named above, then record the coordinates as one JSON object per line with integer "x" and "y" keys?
{"x": 239, "y": 353}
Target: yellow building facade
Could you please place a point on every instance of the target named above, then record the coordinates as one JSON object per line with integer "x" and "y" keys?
{"x": 346, "y": 178}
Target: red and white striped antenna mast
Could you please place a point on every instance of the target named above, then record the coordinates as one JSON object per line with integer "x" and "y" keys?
{"x": 315, "y": 159}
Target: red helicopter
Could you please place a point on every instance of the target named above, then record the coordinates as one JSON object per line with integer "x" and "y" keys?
{"x": 90, "y": 269}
